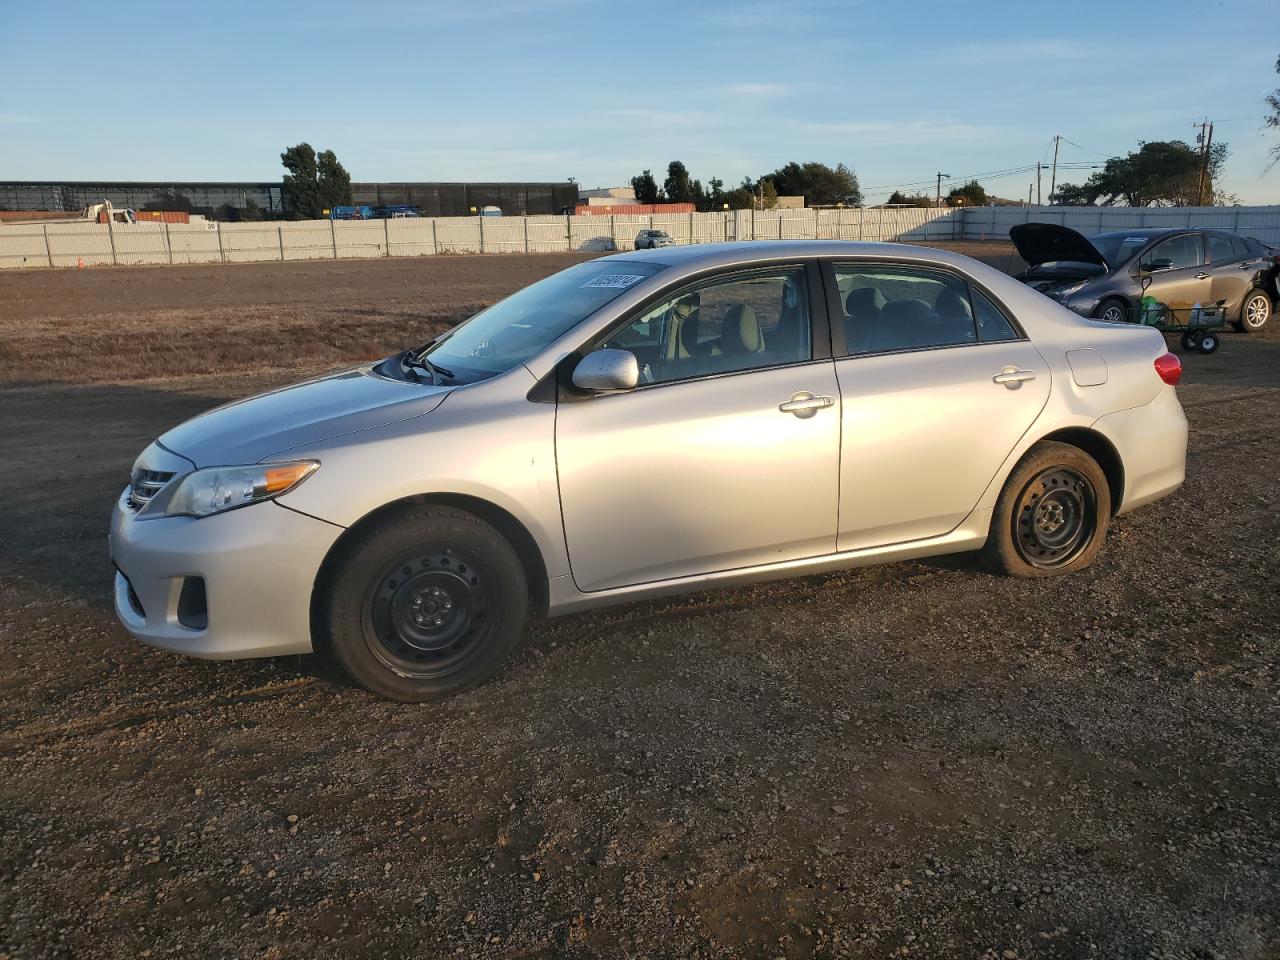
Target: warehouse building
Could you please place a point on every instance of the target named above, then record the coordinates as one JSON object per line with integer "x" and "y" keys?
{"x": 234, "y": 201}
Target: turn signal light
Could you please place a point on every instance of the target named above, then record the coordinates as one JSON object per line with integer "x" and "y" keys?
{"x": 1170, "y": 369}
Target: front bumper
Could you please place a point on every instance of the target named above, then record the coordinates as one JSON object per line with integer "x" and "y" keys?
{"x": 257, "y": 565}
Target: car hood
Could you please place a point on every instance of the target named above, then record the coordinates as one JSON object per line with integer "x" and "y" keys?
{"x": 246, "y": 431}
{"x": 1039, "y": 243}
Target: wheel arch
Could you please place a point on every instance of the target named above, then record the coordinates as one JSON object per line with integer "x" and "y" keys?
{"x": 1103, "y": 452}
{"x": 515, "y": 532}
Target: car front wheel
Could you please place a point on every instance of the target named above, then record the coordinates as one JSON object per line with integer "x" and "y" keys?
{"x": 1052, "y": 515}
{"x": 1254, "y": 312}
{"x": 423, "y": 602}
{"x": 1113, "y": 311}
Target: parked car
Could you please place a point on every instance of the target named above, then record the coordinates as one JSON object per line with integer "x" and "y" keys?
{"x": 651, "y": 239}
{"x": 1102, "y": 276}
{"x": 639, "y": 425}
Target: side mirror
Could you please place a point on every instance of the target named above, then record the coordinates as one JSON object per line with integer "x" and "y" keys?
{"x": 1151, "y": 265}
{"x": 607, "y": 370}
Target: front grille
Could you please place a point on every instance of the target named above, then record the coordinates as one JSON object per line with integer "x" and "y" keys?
{"x": 145, "y": 484}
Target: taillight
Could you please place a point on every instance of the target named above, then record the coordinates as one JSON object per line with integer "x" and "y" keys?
{"x": 1170, "y": 369}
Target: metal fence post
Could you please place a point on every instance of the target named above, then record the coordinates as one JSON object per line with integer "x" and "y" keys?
{"x": 779, "y": 225}
{"x": 222, "y": 254}
{"x": 435, "y": 243}
{"x": 480, "y": 217}
{"x": 333, "y": 238}
{"x": 280, "y": 236}
{"x": 525, "y": 221}
{"x": 753, "y": 221}
{"x": 111, "y": 234}
{"x": 568, "y": 232}
{"x": 691, "y": 240}
{"x": 613, "y": 230}
{"x": 48, "y": 251}
{"x": 168, "y": 241}
{"x": 386, "y": 234}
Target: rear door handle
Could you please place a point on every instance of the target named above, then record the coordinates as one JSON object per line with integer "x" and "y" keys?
{"x": 1202, "y": 276}
{"x": 804, "y": 404}
{"x": 1013, "y": 378}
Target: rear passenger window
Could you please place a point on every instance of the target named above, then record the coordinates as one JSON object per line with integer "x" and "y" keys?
{"x": 992, "y": 324}
{"x": 1240, "y": 249}
{"x": 891, "y": 308}
{"x": 1220, "y": 249}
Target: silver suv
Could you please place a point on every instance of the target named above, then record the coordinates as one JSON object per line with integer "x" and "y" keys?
{"x": 641, "y": 425}
{"x": 652, "y": 239}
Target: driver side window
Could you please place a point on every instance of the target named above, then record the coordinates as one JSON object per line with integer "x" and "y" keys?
{"x": 741, "y": 323}
{"x": 1183, "y": 251}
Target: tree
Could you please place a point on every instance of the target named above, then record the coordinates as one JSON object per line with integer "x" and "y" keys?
{"x": 302, "y": 182}
{"x": 1072, "y": 195}
{"x": 645, "y": 188}
{"x": 972, "y": 194}
{"x": 1161, "y": 172}
{"x": 768, "y": 195}
{"x": 741, "y": 198}
{"x": 334, "y": 181}
{"x": 898, "y": 199}
{"x": 713, "y": 197}
{"x": 313, "y": 184}
{"x": 677, "y": 186}
{"x": 1273, "y": 118}
{"x": 819, "y": 184}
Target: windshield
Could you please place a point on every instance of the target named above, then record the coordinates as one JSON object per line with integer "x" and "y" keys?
{"x": 515, "y": 329}
{"x": 1117, "y": 248}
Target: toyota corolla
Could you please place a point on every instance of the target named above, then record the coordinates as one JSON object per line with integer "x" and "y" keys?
{"x": 644, "y": 424}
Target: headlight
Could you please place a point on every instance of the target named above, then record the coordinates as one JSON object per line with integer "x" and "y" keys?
{"x": 216, "y": 489}
{"x": 1065, "y": 292}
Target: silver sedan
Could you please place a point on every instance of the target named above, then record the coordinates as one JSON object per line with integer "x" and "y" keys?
{"x": 639, "y": 425}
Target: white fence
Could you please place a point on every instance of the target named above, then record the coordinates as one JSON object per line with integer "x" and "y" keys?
{"x": 67, "y": 245}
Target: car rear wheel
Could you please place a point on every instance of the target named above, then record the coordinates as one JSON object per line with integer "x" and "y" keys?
{"x": 1255, "y": 311}
{"x": 423, "y": 603}
{"x": 1113, "y": 311}
{"x": 1052, "y": 515}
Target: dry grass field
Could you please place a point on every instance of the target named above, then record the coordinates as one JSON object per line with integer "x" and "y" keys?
{"x": 915, "y": 760}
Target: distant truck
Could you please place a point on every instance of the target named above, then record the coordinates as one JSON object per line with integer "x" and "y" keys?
{"x": 356, "y": 212}
{"x": 94, "y": 213}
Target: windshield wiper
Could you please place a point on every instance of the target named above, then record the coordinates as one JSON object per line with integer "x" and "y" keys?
{"x": 417, "y": 360}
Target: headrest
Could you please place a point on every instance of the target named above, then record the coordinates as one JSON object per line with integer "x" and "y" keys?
{"x": 905, "y": 311}
{"x": 740, "y": 332}
{"x": 951, "y": 306}
{"x": 863, "y": 302}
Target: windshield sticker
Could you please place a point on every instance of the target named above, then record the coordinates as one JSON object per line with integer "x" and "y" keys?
{"x": 1135, "y": 239}
{"x": 614, "y": 281}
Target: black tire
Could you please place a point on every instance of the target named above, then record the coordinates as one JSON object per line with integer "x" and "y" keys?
{"x": 1209, "y": 343}
{"x": 1188, "y": 341}
{"x": 1255, "y": 311}
{"x": 423, "y": 603}
{"x": 1052, "y": 516}
{"x": 1112, "y": 310}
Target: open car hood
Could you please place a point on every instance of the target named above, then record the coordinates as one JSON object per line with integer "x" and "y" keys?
{"x": 1039, "y": 243}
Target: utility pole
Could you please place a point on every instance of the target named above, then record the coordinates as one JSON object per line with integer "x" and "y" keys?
{"x": 938, "y": 202}
{"x": 1037, "y": 183}
{"x": 1053, "y": 177}
{"x": 1205, "y": 139}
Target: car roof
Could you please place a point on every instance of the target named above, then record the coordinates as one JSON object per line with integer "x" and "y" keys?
{"x": 693, "y": 257}
{"x": 1148, "y": 232}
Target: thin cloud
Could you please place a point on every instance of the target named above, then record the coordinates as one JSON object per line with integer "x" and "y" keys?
{"x": 757, "y": 90}
{"x": 13, "y": 119}
{"x": 909, "y": 133}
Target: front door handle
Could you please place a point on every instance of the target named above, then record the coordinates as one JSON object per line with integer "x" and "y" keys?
{"x": 1013, "y": 378}
{"x": 804, "y": 404}
{"x": 1202, "y": 276}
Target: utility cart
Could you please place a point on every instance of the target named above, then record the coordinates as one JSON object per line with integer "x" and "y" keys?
{"x": 1200, "y": 324}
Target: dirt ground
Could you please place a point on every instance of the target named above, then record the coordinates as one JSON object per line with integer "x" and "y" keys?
{"x": 910, "y": 760}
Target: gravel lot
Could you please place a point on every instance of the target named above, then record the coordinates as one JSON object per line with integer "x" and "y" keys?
{"x": 911, "y": 760}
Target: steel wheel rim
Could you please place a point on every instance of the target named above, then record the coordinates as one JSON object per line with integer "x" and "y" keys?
{"x": 1113, "y": 314}
{"x": 1257, "y": 311}
{"x": 426, "y": 614}
{"x": 1055, "y": 518}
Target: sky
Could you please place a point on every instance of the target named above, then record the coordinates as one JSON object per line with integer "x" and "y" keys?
{"x": 598, "y": 90}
